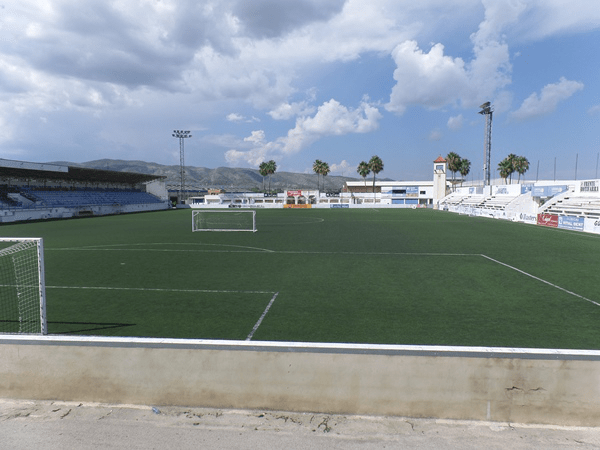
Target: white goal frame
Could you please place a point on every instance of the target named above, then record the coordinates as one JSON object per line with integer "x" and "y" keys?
{"x": 195, "y": 221}
{"x": 27, "y": 286}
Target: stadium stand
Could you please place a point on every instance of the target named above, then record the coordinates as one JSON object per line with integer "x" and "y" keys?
{"x": 31, "y": 191}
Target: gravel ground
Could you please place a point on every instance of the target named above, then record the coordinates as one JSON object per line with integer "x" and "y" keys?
{"x": 66, "y": 425}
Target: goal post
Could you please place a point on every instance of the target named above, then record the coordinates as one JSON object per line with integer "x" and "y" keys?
{"x": 22, "y": 286}
{"x": 224, "y": 220}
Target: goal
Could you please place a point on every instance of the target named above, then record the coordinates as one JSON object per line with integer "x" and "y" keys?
{"x": 22, "y": 286}
{"x": 224, "y": 220}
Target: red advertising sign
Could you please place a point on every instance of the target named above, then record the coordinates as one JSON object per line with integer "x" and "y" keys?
{"x": 548, "y": 220}
{"x": 294, "y": 193}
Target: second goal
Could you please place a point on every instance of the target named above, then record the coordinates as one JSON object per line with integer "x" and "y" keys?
{"x": 224, "y": 220}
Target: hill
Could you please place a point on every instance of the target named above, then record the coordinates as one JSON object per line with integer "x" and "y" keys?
{"x": 222, "y": 177}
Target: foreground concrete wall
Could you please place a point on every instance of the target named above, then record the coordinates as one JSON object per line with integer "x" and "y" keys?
{"x": 508, "y": 385}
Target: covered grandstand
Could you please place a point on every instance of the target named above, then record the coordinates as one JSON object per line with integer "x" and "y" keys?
{"x": 34, "y": 191}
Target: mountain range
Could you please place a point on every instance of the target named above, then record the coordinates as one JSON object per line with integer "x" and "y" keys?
{"x": 222, "y": 177}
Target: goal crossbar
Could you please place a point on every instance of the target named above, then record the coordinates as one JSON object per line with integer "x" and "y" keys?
{"x": 22, "y": 286}
{"x": 224, "y": 220}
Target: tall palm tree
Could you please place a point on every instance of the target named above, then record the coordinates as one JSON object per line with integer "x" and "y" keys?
{"x": 324, "y": 172}
{"x": 263, "y": 169}
{"x": 464, "y": 169}
{"x": 364, "y": 171}
{"x": 376, "y": 166}
{"x": 453, "y": 164}
{"x": 271, "y": 168}
{"x": 505, "y": 169}
{"x": 317, "y": 165}
{"x": 512, "y": 162}
{"x": 521, "y": 166}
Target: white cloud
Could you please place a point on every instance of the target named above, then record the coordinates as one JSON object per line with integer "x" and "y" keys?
{"x": 331, "y": 119}
{"x": 456, "y": 122}
{"x": 341, "y": 168}
{"x": 539, "y": 105}
{"x": 235, "y": 117}
{"x": 286, "y": 111}
{"x": 433, "y": 79}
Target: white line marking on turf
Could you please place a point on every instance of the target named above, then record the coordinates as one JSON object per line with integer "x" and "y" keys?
{"x": 117, "y": 247}
{"x": 262, "y": 317}
{"x": 109, "y": 288}
{"x": 543, "y": 281}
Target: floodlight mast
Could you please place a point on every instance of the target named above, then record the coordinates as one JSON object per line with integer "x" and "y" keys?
{"x": 487, "y": 110}
{"x": 181, "y": 135}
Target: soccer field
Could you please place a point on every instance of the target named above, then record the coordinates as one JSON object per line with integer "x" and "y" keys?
{"x": 386, "y": 276}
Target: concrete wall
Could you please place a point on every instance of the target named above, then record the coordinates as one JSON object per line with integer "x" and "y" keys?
{"x": 513, "y": 385}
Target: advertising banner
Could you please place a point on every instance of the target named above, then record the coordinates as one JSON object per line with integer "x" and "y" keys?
{"x": 527, "y": 218}
{"x": 571, "y": 223}
{"x": 592, "y": 225}
{"x": 547, "y": 191}
{"x": 548, "y": 220}
{"x": 292, "y": 206}
{"x": 586, "y": 187}
{"x": 296, "y": 193}
{"x": 340, "y": 205}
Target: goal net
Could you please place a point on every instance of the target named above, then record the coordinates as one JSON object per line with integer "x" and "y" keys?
{"x": 224, "y": 220}
{"x": 22, "y": 286}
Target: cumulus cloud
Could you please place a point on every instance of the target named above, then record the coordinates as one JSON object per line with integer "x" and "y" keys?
{"x": 546, "y": 102}
{"x": 331, "y": 119}
{"x": 456, "y": 122}
{"x": 433, "y": 79}
{"x": 341, "y": 168}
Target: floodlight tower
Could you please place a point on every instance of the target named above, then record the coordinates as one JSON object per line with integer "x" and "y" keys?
{"x": 487, "y": 111}
{"x": 181, "y": 135}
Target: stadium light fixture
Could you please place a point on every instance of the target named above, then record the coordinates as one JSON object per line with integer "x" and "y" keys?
{"x": 487, "y": 110}
{"x": 181, "y": 135}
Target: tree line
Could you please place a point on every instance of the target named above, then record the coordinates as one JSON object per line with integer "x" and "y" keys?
{"x": 509, "y": 165}
{"x": 321, "y": 168}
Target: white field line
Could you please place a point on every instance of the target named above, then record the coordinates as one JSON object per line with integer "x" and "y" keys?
{"x": 262, "y": 317}
{"x": 260, "y": 250}
{"x": 202, "y": 291}
{"x": 542, "y": 280}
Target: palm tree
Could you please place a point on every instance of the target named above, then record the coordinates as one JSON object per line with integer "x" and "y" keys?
{"x": 376, "y": 166}
{"x": 271, "y": 168}
{"x": 505, "y": 169}
{"x": 324, "y": 171}
{"x": 512, "y": 161}
{"x": 464, "y": 169}
{"x": 521, "y": 166}
{"x": 453, "y": 164}
{"x": 317, "y": 165}
{"x": 363, "y": 170}
{"x": 263, "y": 169}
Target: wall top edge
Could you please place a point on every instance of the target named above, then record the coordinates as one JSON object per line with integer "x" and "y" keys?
{"x": 304, "y": 347}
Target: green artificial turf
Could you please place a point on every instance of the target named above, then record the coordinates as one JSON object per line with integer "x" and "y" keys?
{"x": 389, "y": 276}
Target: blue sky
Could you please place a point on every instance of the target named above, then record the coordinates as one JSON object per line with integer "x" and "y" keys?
{"x": 299, "y": 80}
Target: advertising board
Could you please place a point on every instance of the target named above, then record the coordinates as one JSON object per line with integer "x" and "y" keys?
{"x": 571, "y": 223}
{"x": 295, "y": 193}
{"x": 548, "y": 220}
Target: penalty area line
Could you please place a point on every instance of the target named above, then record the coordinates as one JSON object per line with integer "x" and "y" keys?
{"x": 204, "y": 291}
{"x": 542, "y": 280}
{"x": 262, "y": 317}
